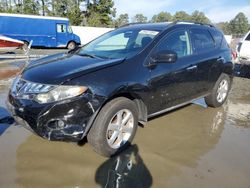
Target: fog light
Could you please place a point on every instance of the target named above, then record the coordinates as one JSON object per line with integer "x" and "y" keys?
{"x": 60, "y": 124}
{"x": 56, "y": 124}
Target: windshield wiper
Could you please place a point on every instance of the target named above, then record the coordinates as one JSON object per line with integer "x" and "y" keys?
{"x": 93, "y": 56}
{"x": 88, "y": 55}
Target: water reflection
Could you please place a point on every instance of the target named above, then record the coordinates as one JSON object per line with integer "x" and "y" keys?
{"x": 167, "y": 144}
{"x": 5, "y": 120}
{"x": 238, "y": 106}
{"x": 125, "y": 170}
{"x": 242, "y": 70}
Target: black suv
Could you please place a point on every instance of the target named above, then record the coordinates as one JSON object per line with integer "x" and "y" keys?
{"x": 104, "y": 89}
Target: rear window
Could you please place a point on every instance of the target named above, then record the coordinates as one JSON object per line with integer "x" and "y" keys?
{"x": 202, "y": 40}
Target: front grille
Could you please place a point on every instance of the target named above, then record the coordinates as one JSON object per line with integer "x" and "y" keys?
{"x": 23, "y": 87}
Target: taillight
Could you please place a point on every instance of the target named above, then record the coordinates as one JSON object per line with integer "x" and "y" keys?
{"x": 234, "y": 55}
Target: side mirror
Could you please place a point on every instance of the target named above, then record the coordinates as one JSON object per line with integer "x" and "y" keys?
{"x": 164, "y": 56}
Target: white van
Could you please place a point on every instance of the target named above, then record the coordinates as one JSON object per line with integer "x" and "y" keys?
{"x": 243, "y": 48}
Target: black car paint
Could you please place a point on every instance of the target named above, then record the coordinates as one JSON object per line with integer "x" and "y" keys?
{"x": 154, "y": 87}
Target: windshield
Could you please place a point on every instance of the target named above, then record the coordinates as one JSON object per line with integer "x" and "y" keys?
{"x": 70, "y": 29}
{"x": 121, "y": 43}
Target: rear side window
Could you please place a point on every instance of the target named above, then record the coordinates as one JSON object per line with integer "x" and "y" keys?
{"x": 218, "y": 37}
{"x": 202, "y": 40}
{"x": 220, "y": 41}
{"x": 248, "y": 37}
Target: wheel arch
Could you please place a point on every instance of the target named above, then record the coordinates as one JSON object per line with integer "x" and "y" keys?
{"x": 141, "y": 106}
{"x": 70, "y": 42}
{"x": 228, "y": 69}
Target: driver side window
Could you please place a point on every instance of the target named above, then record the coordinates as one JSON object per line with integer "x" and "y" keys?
{"x": 178, "y": 42}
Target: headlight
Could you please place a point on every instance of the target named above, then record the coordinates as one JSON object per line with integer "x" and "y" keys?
{"x": 60, "y": 93}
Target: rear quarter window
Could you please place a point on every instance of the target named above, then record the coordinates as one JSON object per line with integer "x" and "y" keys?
{"x": 220, "y": 41}
{"x": 202, "y": 40}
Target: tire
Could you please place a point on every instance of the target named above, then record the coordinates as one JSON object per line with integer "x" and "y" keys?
{"x": 71, "y": 45}
{"x": 214, "y": 100}
{"x": 104, "y": 136}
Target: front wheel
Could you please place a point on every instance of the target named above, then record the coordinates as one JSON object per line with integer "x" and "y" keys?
{"x": 220, "y": 92}
{"x": 114, "y": 127}
{"x": 71, "y": 45}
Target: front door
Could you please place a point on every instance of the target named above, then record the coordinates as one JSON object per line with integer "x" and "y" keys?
{"x": 61, "y": 35}
{"x": 173, "y": 83}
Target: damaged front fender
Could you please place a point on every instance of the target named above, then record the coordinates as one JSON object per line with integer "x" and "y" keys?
{"x": 67, "y": 120}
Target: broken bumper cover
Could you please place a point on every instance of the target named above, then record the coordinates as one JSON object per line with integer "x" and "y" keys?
{"x": 66, "y": 120}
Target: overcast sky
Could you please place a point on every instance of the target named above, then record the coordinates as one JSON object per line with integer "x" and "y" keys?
{"x": 215, "y": 10}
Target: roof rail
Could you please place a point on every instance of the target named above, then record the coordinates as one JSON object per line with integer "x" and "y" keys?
{"x": 191, "y": 22}
{"x": 134, "y": 23}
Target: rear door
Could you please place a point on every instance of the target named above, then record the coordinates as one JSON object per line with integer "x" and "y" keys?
{"x": 206, "y": 55}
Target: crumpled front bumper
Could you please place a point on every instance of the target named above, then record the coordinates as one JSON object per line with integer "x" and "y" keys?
{"x": 67, "y": 120}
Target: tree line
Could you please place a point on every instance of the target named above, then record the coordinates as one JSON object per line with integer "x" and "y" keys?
{"x": 103, "y": 13}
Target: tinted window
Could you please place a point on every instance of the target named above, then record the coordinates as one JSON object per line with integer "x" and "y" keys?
{"x": 218, "y": 37}
{"x": 248, "y": 37}
{"x": 202, "y": 40}
{"x": 178, "y": 42}
{"x": 220, "y": 41}
{"x": 224, "y": 43}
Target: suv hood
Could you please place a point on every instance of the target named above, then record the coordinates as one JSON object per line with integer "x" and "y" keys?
{"x": 59, "y": 68}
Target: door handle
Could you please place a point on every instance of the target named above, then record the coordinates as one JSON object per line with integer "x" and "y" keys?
{"x": 221, "y": 59}
{"x": 192, "y": 67}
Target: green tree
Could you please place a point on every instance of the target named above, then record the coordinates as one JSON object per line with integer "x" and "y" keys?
{"x": 123, "y": 19}
{"x": 100, "y": 13}
{"x": 181, "y": 15}
{"x": 65, "y": 8}
{"x": 60, "y": 8}
{"x": 140, "y": 18}
{"x": 1, "y": 7}
{"x": 239, "y": 25}
{"x": 31, "y": 7}
{"x": 45, "y": 7}
{"x": 162, "y": 17}
{"x": 224, "y": 26}
{"x": 200, "y": 17}
{"x": 74, "y": 13}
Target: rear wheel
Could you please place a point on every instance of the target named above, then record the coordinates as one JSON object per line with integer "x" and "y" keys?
{"x": 220, "y": 92}
{"x": 71, "y": 45}
{"x": 114, "y": 127}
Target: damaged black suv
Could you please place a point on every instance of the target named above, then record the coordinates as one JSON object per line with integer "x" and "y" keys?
{"x": 104, "y": 89}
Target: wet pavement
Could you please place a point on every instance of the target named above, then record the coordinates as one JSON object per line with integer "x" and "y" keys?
{"x": 189, "y": 147}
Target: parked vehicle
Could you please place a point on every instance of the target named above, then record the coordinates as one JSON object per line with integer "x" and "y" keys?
{"x": 126, "y": 76}
{"x": 243, "y": 48}
{"x": 43, "y": 31}
{"x": 7, "y": 43}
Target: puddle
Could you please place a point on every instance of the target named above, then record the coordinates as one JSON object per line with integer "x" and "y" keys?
{"x": 242, "y": 70}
